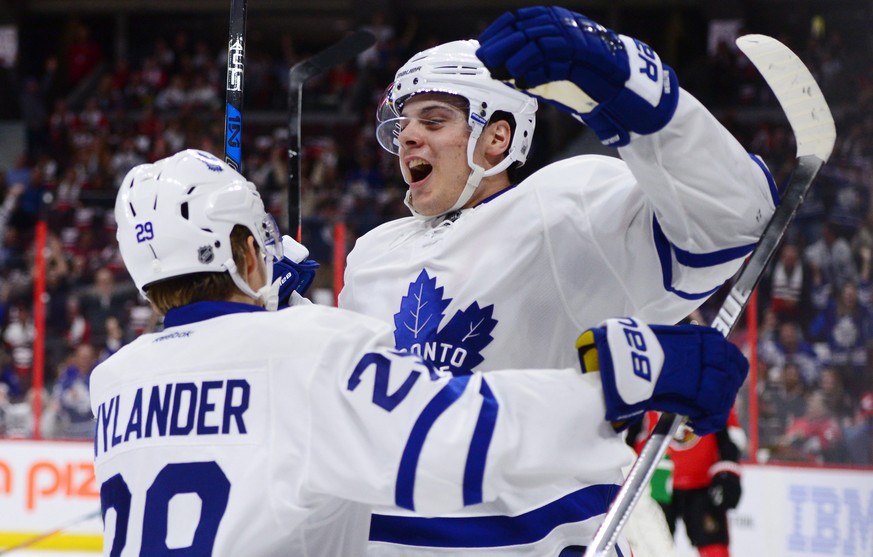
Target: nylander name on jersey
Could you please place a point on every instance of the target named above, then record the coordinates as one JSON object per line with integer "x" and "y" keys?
{"x": 182, "y": 409}
{"x": 455, "y": 347}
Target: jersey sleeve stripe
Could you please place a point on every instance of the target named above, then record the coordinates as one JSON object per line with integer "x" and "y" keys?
{"x": 774, "y": 191}
{"x": 701, "y": 260}
{"x": 403, "y": 496}
{"x": 493, "y": 531}
{"x": 474, "y": 471}
{"x": 665, "y": 255}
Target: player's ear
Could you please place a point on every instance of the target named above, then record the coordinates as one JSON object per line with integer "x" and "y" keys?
{"x": 253, "y": 258}
{"x": 499, "y": 136}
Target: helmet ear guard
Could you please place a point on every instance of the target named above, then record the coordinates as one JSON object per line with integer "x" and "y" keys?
{"x": 453, "y": 68}
{"x": 175, "y": 218}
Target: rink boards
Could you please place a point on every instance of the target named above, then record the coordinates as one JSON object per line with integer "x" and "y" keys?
{"x": 785, "y": 511}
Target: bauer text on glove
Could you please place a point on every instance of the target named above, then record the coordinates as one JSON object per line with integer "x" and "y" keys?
{"x": 614, "y": 83}
{"x": 294, "y": 271}
{"x": 685, "y": 369}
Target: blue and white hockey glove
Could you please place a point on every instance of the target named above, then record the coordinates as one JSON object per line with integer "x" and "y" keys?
{"x": 294, "y": 271}
{"x": 613, "y": 83}
{"x": 685, "y": 369}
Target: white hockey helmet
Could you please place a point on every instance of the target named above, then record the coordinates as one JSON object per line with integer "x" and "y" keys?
{"x": 453, "y": 68}
{"x": 175, "y": 218}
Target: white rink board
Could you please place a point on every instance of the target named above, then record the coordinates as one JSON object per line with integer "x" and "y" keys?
{"x": 784, "y": 511}
{"x": 800, "y": 512}
{"x": 45, "y": 483}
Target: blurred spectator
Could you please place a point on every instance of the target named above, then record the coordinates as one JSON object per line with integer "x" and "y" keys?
{"x": 114, "y": 339}
{"x": 34, "y": 104}
{"x": 10, "y": 382}
{"x": 790, "y": 347}
{"x": 782, "y": 400}
{"x": 814, "y": 437}
{"x": 836, "y": 397}
{"x": 845, "y": 326}
{"x": 78, "y": 329}
{"x": 83, "y": 54}
{"x": 105, "y": 300}
{"x": 70, "y": 396}
{"x": 832, "y": 255}
{"x": 859, "y": 435}
{"x": 788, "y": 286}
{"x": 18, "y": 339}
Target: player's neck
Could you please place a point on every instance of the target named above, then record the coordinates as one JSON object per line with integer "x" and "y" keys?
{"x": 241, "y": 298}
{"x": 488, "y": 187}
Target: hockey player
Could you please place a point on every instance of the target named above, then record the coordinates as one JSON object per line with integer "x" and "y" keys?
{"x": 491, "y": 274}
{"x": 705, "y": 482}
{"x": 239, "y": 431}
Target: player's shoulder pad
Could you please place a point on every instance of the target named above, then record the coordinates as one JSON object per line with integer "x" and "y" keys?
{"x": 578, "y": 171}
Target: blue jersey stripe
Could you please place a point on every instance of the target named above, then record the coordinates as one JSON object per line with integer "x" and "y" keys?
{"x": 774, "y": 192}
{"x": 474, "y": 472}
{"x": 700, "y": 260}
{"x": 665, "y": 251}
{"x": 494, "y": 531}
{"x": 453, "y": 390}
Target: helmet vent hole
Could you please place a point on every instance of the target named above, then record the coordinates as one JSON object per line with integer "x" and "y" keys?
{"x": 132, "y": 210}
{"x": 184, "y": 209}
{"x": 190, "y": 190}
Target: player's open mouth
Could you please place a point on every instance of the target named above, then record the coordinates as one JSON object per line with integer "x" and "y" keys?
{"x": 419, "y": 169}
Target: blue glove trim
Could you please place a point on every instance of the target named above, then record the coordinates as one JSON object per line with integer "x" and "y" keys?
{"x": 540, "y": 45}
{"x": 295, "y": 277}
{"x": 700, "y": 377}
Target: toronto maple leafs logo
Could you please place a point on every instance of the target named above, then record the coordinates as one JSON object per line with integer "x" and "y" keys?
{"x": 456, "y": 347}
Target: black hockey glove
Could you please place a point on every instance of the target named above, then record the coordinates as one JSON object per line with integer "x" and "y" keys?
{"x": 725, "y": 489}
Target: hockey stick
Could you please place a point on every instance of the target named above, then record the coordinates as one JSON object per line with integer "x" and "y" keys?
{"x": 814, "y": 132}
{"x": 337, "y": 53}
{"x": 44, "y": 536}
{"x": 236, "y": 60}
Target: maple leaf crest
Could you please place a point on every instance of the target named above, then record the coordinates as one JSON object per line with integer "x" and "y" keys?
{"x": 421, "y": 311}
{"x": 458, "y": 346}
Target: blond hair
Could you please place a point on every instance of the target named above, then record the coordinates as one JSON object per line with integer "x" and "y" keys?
{"x": 199, "y": 287}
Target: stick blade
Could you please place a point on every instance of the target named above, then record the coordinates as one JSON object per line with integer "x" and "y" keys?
{"x": 797, "y": 92}
{"x": 337, "y": 53}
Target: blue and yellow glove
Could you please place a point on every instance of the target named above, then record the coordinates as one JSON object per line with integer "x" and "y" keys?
{"x": 613, "y": 83}
{"x": 689, "y": 370}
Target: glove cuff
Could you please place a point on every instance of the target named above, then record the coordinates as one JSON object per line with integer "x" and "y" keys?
{"x": 629, "y": 345}
{"x": 725, "y": 467}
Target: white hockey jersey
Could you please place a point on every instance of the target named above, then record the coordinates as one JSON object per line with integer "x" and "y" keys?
{"x": 513, "y": 281}
{"x": 240, "y": 432}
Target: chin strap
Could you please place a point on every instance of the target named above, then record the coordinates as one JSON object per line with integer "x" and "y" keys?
{"x": 268, "y": 294}
{"x": 473, "y": 180}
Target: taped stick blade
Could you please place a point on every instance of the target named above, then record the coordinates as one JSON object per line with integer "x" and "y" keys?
{"x": 798, "y": 93}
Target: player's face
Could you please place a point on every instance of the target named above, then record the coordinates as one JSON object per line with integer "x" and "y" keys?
{"x": 433, "y": 152}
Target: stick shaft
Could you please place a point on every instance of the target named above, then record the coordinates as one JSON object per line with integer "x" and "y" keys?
{"x": 813, "y": 127}
{"x": 337, "y": 53}
{"x": 236, "y": 56}
{"x": 726, "y": 320}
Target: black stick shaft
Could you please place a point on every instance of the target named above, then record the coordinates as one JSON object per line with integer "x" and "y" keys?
{"x": 337, "y": 53}
{"x": 726, "y": 320}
